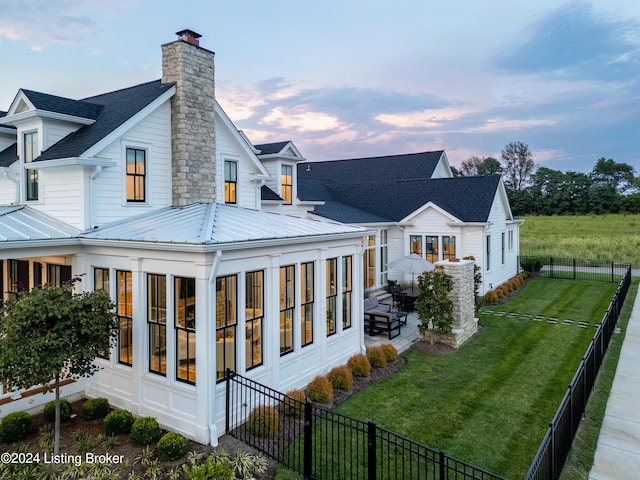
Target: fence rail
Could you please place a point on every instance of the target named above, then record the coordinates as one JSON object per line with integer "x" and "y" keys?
{"x": 574, "y": 268}
{"x": 321, "y": 444}
{"x": 555, "y": 447}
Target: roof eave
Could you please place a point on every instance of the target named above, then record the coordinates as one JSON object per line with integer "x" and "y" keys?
{"x": 64, "y": 162}
{"x": 18, "y": 118}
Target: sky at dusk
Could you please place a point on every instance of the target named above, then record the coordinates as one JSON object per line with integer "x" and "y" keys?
{"x": 345, "y": 79}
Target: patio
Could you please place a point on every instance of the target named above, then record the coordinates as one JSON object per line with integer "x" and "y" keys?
{"x": 408, "y": 335}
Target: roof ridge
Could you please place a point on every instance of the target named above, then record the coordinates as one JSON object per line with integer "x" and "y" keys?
{"x": 127, "y": 88}
{"x": 378, "y": 157}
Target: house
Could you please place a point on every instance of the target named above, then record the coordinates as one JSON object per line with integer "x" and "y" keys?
{"x": 151, "y": 193}
{"x": 413, "y": 204}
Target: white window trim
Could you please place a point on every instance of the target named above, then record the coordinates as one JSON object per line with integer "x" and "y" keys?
{"x": 147, "y": 147}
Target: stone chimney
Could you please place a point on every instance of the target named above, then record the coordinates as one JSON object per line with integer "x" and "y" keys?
{"x": 193, "y": 149}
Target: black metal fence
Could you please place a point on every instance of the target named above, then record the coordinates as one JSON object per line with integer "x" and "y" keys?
{"x": 555, "y": 447}
{"x": 574, "y": 268}
{"x": 321, "y": 444}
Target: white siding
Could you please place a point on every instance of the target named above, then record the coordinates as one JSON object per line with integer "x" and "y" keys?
{"x": 61, "y": 194}
{"x": 6, "y": 140}
{"x": 442, "y": 169}
{"x": 499, "y": 272}
{"x": 153, "y": 135}
{"x": 9, "y": 189}
{"x": 54, "y": 131}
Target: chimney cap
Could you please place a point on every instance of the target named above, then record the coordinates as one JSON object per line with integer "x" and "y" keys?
{"x": 189, "y": 36}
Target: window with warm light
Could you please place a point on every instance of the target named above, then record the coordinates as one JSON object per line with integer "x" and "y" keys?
{"x": 287, "y": 184}
{"x": 287, "y": 308}
{"x": 157, "y": 323}
{"x": 332, "y": 295}
{"x": 136, "y": 174}
{"x": 448, "y": 247}
{"x": 431, "y": 243}
{"x": 346, "y": 292}
{"x": 255, "y": 315}
{"x": 230, "y": 181}
{"x": 124, "y": 310}
{"x": 306, "y": 303}
{"x": 184, "y": 294}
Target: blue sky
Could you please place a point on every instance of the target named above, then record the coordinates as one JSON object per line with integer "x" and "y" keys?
{"x": 351, "y": 78}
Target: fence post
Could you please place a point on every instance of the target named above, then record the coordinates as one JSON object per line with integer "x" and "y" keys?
{"x": 612, "y": 280}
{"x": 552, "y": 447}
{"x": 551, "y": 266}
{"x": 227, "y": 423}
{"x": 574, "y": 268}
{"x": 441, "y": 458}
{"x": 308, "y": 440}
{"x": 371, "y": 451}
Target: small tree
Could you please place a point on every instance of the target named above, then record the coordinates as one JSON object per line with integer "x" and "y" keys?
{"x": 51, "y": 333}
{"x": 433, "y": 304}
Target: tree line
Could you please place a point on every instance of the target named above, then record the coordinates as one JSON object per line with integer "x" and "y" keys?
{"x": 610, "y": 187}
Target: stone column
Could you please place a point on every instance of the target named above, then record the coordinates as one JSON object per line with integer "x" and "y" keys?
{"x": 462, "y": 295}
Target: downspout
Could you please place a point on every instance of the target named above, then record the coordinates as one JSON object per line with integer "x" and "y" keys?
{"x": 211, "y": 358}
{"x": 92, "y": 196}
{"x": 16, "y": 197}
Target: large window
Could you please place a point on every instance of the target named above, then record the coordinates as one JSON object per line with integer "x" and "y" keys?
{"x": 18, "y": 271}
{"x": 384, "y": 257}
{"x": 157, "y": 322}
{"x": 185, "y": 325}
{"x": 31, "y": 151}
{"x": 332, "y": 294}
{"x": 370, "y": 262}
{"x": 488, "y": 251}
{"x": 136, "y": 173}
{"x": 226, "y": 322}
{"x": 255, "y": 317}
{"x": 306, "y": 303}
{"x": 448, "y": 247}
{"x": 287, "y": 307}
{"x": 287, "y": 184}
{"x": 124, "y": 310}
{"x": 415, "y": 244}
{"x": 346, "y": 292}
{"x": 58, "y": 274}
{"x": 230, "y": 181}
{"x": 101, "y": 282}
{"x": 432, "y": 248}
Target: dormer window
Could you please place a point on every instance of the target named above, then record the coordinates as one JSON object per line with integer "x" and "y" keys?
{"x": 230, "y": 181}
{"x": 136, "y": 174}
{"x": 287, "y": 184}
{"x": 30, "y": 152}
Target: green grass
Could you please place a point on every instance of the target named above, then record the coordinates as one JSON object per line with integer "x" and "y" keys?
{"x": 582, "y": 454}
{"x": 490, "y": 402}
{"x": 593, "y": 237}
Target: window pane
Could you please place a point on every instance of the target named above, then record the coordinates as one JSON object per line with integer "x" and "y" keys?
{"x": 415, "y": 244}
{"x": 306, "y": 300}
{"x": 346, "y": 292}
{"x": 448, "y": 247}
{"x": 185, "y": 327}
{"x": 432, "y": 248}
{"x": 254, "y": 311}
{"x": 332, "y": 292}
{"x": 287, "y": 305}
{"x": 226, "y": 321}
{"x": 124, "y": 309}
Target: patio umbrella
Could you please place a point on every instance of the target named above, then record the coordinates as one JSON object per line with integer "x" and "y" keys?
{"x": 413, "y": 264}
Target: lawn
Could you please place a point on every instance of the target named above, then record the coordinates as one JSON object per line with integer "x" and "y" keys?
{"x": 592, "y": 237}
{"x": 490, "y": 402}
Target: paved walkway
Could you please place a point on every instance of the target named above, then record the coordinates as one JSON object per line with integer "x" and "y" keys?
{"x": 408, "y": 335}
{"x": 617, "y": 455}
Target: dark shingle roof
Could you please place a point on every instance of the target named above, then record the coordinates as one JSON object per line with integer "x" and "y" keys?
{"x": 388, "y": 189}
{"x": 115, "y": 108}
{"x": 267, "y": 194}
{"x": 2, "y": 114}
{"x": 9, "y": 155}
{"x": 67, "y": 106}
{"x": 270, "y": 148}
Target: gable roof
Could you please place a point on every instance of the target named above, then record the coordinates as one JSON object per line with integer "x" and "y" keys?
{"x": 111, "y": 110}
{"x": 66, "y": 106}
{"x": 390, "y": 189}
{"x": 271, "y": 148}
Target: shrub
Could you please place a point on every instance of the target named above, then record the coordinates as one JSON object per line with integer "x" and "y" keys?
{"x": 263, "y": 421}
{"x": 359, "y": 366}
{"x": 531, "y": 264}
{"x": 145, "y": 431}
{"x": 524, "y": 275}
{"x": 15, "y": 426}
{"x": 172, "y": 446}
{"x": 390, "y": 352}
{"x": 49, "y": 412}
{"x": 294, "y": 405}
{"x": 490, "y": 297}
{"x": 376, "y": 357}
{"x": 320, "y": 390}
{"x": 95, "y": 408}
{"x": 341, "y": 378}
{"x": 118, "y": 422}
{"x": 499, "y": 293}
